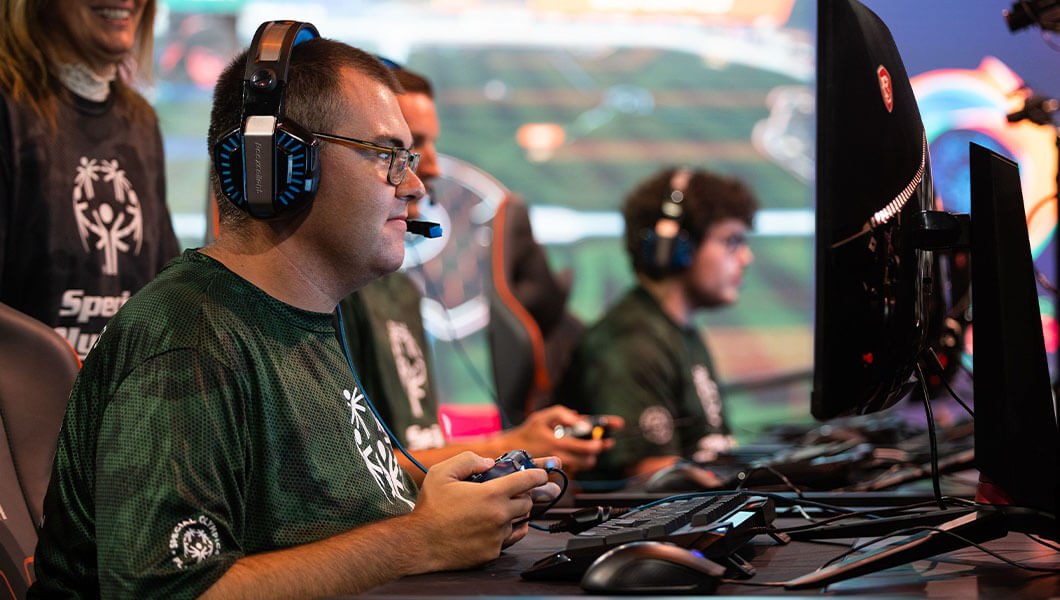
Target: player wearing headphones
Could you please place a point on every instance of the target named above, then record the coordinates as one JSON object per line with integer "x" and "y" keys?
{"x": 686, "y": 235}
{"x": 217, "y": 443}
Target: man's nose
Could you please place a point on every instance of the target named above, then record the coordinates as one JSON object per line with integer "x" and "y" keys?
{"x": 414, "y": 209}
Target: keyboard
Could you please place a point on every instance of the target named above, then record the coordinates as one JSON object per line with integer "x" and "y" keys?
{"x": 823, "y": 466}
{"x": 715, "y": 525}
{"x": 964, "y": 459}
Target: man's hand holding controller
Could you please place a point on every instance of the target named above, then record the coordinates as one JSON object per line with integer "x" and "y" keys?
{"x": 552, "y": 431}
{"x": 519, "y": 460}
{"x": 594, "y": 427}
{"x": 512, "y": 461}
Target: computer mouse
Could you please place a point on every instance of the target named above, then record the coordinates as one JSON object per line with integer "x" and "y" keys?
{"x": 652, "y": 567}
{"x": 672, "y": 479}
{"x": 687, "y": 477}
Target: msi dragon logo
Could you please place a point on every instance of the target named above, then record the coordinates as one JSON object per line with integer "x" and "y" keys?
{"x": 886, "y": 91}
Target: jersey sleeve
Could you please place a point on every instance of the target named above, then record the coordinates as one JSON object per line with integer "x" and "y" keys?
{"x": 170, "y": 480}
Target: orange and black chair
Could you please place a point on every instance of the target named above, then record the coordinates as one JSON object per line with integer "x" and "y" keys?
{"x": 37, "y": 371}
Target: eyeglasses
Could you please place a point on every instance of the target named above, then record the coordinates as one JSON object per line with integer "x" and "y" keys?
{"x": 734, "y": 242}
{"x": 402, "y": 160}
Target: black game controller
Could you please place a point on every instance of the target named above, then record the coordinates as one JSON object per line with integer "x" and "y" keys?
{"x": 593, "y": 428}
{"x": 514, "y": 460}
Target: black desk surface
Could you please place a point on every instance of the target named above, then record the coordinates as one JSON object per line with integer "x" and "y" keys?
{"x": 966, "y": 573}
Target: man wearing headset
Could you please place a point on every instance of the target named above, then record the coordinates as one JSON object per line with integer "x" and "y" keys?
{"x": 686, "y": 236}
{"x": 217, "y": 442}
{"x": 383, "y": 321}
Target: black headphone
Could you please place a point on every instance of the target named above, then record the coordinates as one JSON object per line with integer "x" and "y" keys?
{"x": 269, "y": 166}
{"x": 667, "y": 247}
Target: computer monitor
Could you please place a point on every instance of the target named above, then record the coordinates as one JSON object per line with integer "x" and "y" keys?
{"x": 1017, "y": 440}
{"x": 875, "y": 291}
{"x": 1017, "y": 436}
{"x": 877, "y": 283}
{"x": 877, "y": 278}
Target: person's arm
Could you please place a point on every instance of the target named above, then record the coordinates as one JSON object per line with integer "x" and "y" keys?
{"x": 456, "y": 524}
{"x": 651, "y": 464}
{"x": 702, "y": 476}
{"x": 171, "y": 513}
{"x": 537, "y": 435}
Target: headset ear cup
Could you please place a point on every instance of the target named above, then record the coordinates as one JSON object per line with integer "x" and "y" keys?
{"x": 649, "y": 243}
{"x": 666, "y": 248}
{"x": 297, "y": 169}
{"x": 682, "y": 253}
{"x": 228, "y": 165}
{"x": 666, "y": 255}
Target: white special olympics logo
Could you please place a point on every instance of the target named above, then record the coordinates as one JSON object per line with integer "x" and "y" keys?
{"x": 656, "y": 425}
{"x": 193, "y": 541}
{"x": 109, "y": 219}
{"x": 411, "y": 366}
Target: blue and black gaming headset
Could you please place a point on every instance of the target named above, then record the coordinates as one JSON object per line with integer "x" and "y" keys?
{"x": 667, "y": 247}
{"x": 269, "y": 166}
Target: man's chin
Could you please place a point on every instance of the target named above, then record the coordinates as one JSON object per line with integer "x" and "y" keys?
{"x": 394, "y": 260}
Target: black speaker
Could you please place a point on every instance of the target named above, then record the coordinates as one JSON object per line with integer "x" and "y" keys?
{"x": 667, "y": 248}
{"x": 270, "y": 165}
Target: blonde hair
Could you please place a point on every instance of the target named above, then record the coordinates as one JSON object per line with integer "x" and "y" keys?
{"x": 29, "y": 47}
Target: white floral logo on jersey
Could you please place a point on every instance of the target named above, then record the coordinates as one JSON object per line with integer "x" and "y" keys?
{"x": 411, "y": 367}
{"x": 193, "y": 541}
{"x": 109, "y": 219}
{"x": 378, "y": 456}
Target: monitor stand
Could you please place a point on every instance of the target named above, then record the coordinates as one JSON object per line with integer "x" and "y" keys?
{"x": 965, "y": 527}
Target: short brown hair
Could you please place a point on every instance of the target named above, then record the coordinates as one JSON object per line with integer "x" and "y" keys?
{"x": 708, "y": 199}
{"x": 413, "y": 82}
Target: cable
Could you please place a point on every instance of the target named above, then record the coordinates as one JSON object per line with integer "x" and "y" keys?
{"x": 586, "y": 518}
{"x": 946, "y": 383}
{"x": 562, "y": 490}
{"x": 908, "y": 531}
{"x": 866, "y": 514}
{"x": 936, "y": 486}
{"x": 775, "y": 496}
{"x": 431, "y": 292}
{"x": 779, "y": 584}
{"x": 1047, "y": 39}
{"x": 349, "y": 361}
{"x": 784, "y": 478}
{"x": 869, "y": 514}
{"x": 961, "y": 538}
{"x": 1047, "y": 544}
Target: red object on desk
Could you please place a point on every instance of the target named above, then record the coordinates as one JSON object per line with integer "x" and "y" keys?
{"x": 462, "y": 421}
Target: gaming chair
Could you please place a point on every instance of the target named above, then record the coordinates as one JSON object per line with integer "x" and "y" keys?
{"x": 531, "y": 331}
{"x": 37, "y": 371}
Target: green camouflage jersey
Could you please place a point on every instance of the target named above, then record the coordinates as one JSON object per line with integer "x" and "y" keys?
{"x": 637, "y": 363}
{"x": 211, "y": 421}
{"x": 385, "y": 328}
